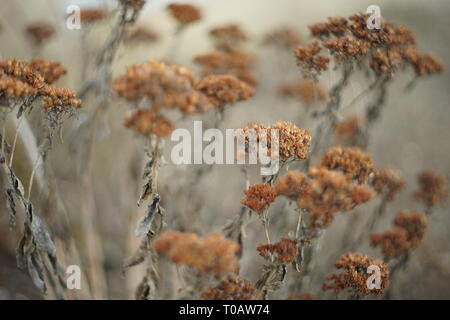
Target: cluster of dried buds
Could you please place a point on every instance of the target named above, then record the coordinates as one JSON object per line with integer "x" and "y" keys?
{"x": 390, "y": 48}
{"x": 233, "y": 288}
{"x": 408, "y": 232}
{"x": 212, "y": 254}
{"x": 228, "y": 58}
{"x": 284, "y": 37}
{"x": 27, "y": 81}
{"x": 40, "y": 32}
{"x": 169, "y": 86}
{"x": 349, "y": 131}
{"x": 433, "y": 189}
{"x": 282, "y": 252}
{"x": 184, "y": 13}
{"x": 355, "y": 275}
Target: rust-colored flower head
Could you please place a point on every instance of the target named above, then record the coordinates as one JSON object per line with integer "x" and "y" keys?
{"x": 387, "y": 61}
{"x": 212, "y": 254}
{"x": 283, "y": 252}
{"x": 347, "y": 48}
{"x": 233, "y": 288}
{"x": 311, "y": 64}
{"x": 305, "y": 90}
{"x": 292, "y": 142}
{"x": 388, "y": 182}
{"x": 40, "y": 32}
{"x": 92, "y": 15}
{"x": 353, "y": 162}
{"x": 142, "y": 35}
{"x": 258, "y": 197}
{"x": 223, "y": 89}
{"x": 327, "y": 192}
{"x": 291, "y": 185}
{"x": 423, "y": 63}
{"x": 336, "y": 26}
{"x": 162, "y": 85}
{"x": 49, "y": 70}
{"x": 354, "y": 274}
{"x": 228, "y": 37}
{"x": 393, "y": 243}
{"x": 284, "y": 37}
{"x": 433, "y": 188}
{"x": 148, "y": 122}
{"x": 414, "y": 223}
{"x": 184, "y": 13}
{"x": 350, "y": 131}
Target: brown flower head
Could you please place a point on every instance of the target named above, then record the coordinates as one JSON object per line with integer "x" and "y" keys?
{"x": 258, "y": 197}
{"x": 355, "y": 274}
{"x": 49, "y": 70}
{"x": 305, "y": 90}
{"x": 40, "y": 32}
{"x": 291, "y": 185}
{"x": 353, "y": 162}
{"x": 393, "y": 243}
{"x": 227, "y": 37}
{"x": 414, "y": 223}
{"x": 350, "y": 131}
{"x": 284, "y": 37}
{"x": 423, "y": 63}
{"x": 433, "y": 188}
{"x": 212, "y": 254}
{"x": 310, "y": 63}
{"x": 336, "y": 26}
{"x": 283, "y": 251}
{"x": 388, "y": 182}
{"x": 162, "y": 85}
{"x": 327, "y": 192}
{"x": 347, "y": 48}
{"x": 92, "y": 15}
{"x": 184, "y": 13}
{"x": 148, "y": 122}
{"x": 233, "y": 288}
{"x": 223, "y": 89}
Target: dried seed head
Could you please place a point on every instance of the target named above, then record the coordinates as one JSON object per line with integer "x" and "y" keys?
{"x": 310, "y": 63}
{"x": 353, "y": 162}
{"x": 40, "y": 32}
{"x": 326, "y": 192}
{"x": 336, "y": 26}
{"x": 424, "y": 64}
{"x": 283, "y": 251}
{"x": 258, "y": 197}
{"x": 184, "y": 13}
{"x": 433, "y": 188}
{"x": 350, "y": 131}
{"x": 162, "y": 85}
{"x": 284, "y": 37}
{"x": 49, "y": 70}
{"x": 224, "y": 89}
{"x": 414, "y": 223}
{"x": 233, "y": 288}
{"x": 305, "y": 90}
{"x": 92, "y": 15}
{"x": 354, "y": 274}
{"x": 291, "y": 185}
{"x": 347, "y": 48}
{"x": 388, "y": 182}
{"x": 148, "y": 122}
{"x": 212, "y": 254}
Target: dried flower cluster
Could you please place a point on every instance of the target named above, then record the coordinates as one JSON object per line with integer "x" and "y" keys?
{"x": 184, "y": 13}
{"x": 354, "y": 274}
{"x": 162, "y": 85}
{"x": 388, "y": 182}
{"x": 433, "y": 188}
{"x": 353, "y": 162}
{"x": 392, "y": 47}
{"x": 326, "y": 192}
{"x": 224, "y": 89}
{"x": 19, "y": 79}
{"x": 228, "y": 37}
{"x": 305, "y": 90}
{"x": 291, "y": 185}
{"x": 40, "y": 32}
{"x": 232, "y": 62}
{"x": 212, "y": 254}
{"x": 258, "y": 197}
{"x": 293, "y": 143}
{"x": 408, "y": 232}
{"x": 284, "y": 251}
{"x": 284, "y": 37}
{"x": 233, "y": 288}
{"x": 92, "y": 15}
{"x": 348, "y": 131}
{"x": 148, "y": 122}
